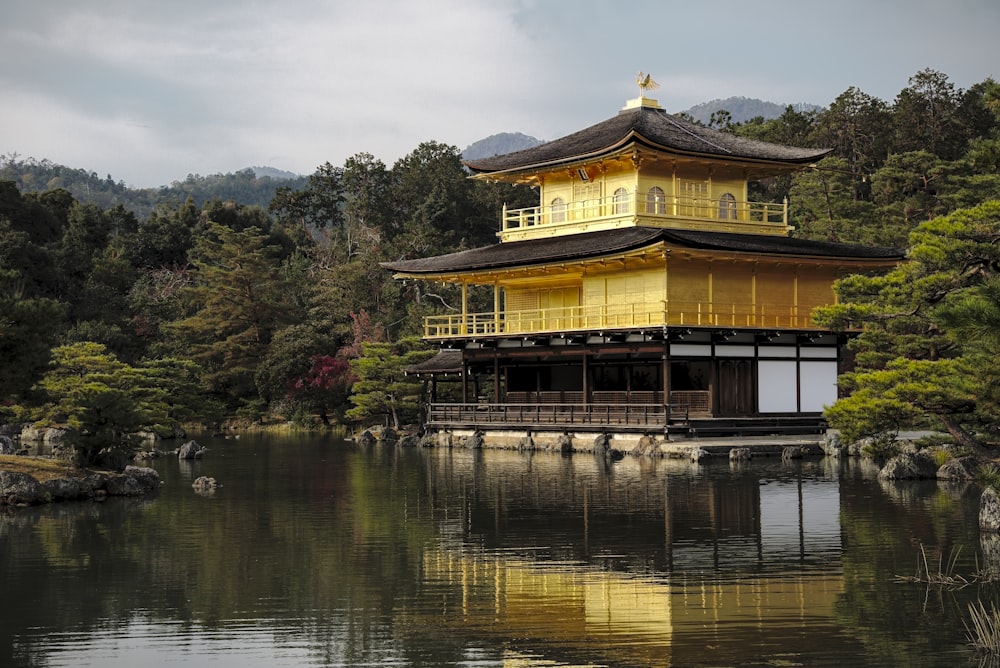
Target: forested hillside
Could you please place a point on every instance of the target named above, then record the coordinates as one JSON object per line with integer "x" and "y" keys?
{"x": 742, "y": 109}
{"x": 255, "y": 304}
{"x": 251, "y": 186}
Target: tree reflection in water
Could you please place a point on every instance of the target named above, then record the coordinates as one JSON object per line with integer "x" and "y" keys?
{"x": 316, "y": 551}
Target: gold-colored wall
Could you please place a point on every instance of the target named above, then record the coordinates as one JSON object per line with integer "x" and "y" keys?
{"x": 639, "y": 287}
{"x": 815, "y": 287}
{"x": 693, "y": 291}
{"x": 604, "y": 181}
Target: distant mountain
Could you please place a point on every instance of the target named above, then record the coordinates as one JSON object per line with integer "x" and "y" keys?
{"x": 274, "y": 173}
{"x": 744, "y": 108}
{"x": 505, "y": 142}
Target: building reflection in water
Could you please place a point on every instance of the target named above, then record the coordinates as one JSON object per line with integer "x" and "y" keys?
{"x": 570, "y": 560}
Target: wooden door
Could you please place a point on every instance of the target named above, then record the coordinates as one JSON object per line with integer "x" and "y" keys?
{"x": 736, "y": 388}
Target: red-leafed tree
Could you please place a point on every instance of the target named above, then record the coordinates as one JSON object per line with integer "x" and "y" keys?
{"x": 327, "y": 383}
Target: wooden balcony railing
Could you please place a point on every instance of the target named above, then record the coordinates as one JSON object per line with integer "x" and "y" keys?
{"x": 609, "y": 408}
{"x": 648, "y": 207}
{"x": 618, "y": 316}
{"x": 497, "y": 415}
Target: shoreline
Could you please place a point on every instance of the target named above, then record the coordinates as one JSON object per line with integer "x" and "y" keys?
{"x": 28, "y": 481}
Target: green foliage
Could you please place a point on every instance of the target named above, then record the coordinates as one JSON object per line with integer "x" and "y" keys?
{"x": 989, "y": 475}
{"x": 289, "y": 358}
{"x": 28, "y": 329}
{"x": 318, "y": 205}
{"x": 383, "y": 390}
{"x": 238, "y": 303}
{"x": 884, "y": 401}
{"x": 927, "y": 348}
{"x": 104, "y": 401}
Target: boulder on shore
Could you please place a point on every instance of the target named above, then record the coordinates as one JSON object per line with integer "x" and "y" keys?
{"x": 960, "y": 468}
{"x": 18, "y": 488}
{"x": 909, "y": 466}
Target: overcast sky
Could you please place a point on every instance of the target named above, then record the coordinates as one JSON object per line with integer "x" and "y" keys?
{"x": 150, "y": 91}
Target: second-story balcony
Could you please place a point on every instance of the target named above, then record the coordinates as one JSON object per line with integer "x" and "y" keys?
{"x": 608, "y": 317}
{"x": 724, "y": 215}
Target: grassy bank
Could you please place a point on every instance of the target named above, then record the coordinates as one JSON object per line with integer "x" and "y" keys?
{"x": 40, "y": 468}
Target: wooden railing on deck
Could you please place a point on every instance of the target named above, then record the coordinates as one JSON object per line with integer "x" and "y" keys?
{"x": 664, "y": 208}
{"x": 543, "y": 414}
{"x": 639, "y": 408}
{"x": 618, "y": 316}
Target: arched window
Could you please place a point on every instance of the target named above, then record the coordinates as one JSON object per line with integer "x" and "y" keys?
{"x": 621, "y": 201}
{"x": 558, "y": 210}
{"x": 656, "y": 201}
{"x": 727, "y": 207}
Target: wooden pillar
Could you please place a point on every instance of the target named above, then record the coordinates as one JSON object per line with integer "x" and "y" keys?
{"x": 465, "y": 308}
{"x": 465, "y": 382}
{"x": 666, "y": 370}
{"x": 586, "y": 377}
{"x": 496, "y": 378}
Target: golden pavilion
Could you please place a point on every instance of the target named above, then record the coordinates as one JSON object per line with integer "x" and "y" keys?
{"x": 645, "y": 293}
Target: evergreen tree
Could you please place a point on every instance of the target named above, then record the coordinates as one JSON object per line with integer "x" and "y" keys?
{"x": 383, "y": 389}
{"x": 104, "y": 401}
{"x": 29, "y": 326}
{"x": 920, "y": 354}
{"x": 238, "y": 299}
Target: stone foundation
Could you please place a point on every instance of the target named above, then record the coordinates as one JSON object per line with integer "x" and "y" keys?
{"x": 636, "y": 444}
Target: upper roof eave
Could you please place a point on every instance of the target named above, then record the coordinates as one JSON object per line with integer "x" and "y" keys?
{"x": 651, "y": 127}
{"x": 626, "y": 146}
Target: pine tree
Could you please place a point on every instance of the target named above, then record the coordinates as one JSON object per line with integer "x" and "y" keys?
{"x": 923, "y": 358}
{"x": 383, "y": 389}
{"x": 239, "y": 302}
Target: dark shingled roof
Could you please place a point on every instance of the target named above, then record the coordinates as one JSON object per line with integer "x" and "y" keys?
{"x": 609, "y": 242}
{"x": 446, "y": 361}
{"x": 650, "y": 127}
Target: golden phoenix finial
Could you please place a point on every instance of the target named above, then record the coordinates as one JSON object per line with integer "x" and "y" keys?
{"x": 646, "y": 83}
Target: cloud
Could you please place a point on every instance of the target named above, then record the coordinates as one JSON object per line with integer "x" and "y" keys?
{"x": 151, "y": 91}
{"x": 305, "y": 82}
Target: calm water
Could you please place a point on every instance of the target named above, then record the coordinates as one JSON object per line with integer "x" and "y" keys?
{"x": 317, "y": 552}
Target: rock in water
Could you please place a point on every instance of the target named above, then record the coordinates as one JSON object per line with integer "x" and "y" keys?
{"x": 189, "y": 450}
{"x": 205, "y": 485}
{"x": 989, "y": 511}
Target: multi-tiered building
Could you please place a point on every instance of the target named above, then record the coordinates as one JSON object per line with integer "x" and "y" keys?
{"x": 645, "y": 292}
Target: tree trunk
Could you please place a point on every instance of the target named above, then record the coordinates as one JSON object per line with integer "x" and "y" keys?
{"x": 963, "y": 437}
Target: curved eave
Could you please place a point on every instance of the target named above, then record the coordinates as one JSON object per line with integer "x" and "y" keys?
{"x": 652, "y": 128}
{"x": 626, "y": 145}
{"x": 560, "y": 253}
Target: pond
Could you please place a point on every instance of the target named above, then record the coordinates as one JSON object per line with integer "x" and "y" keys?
{"x": 321, "y": 552}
